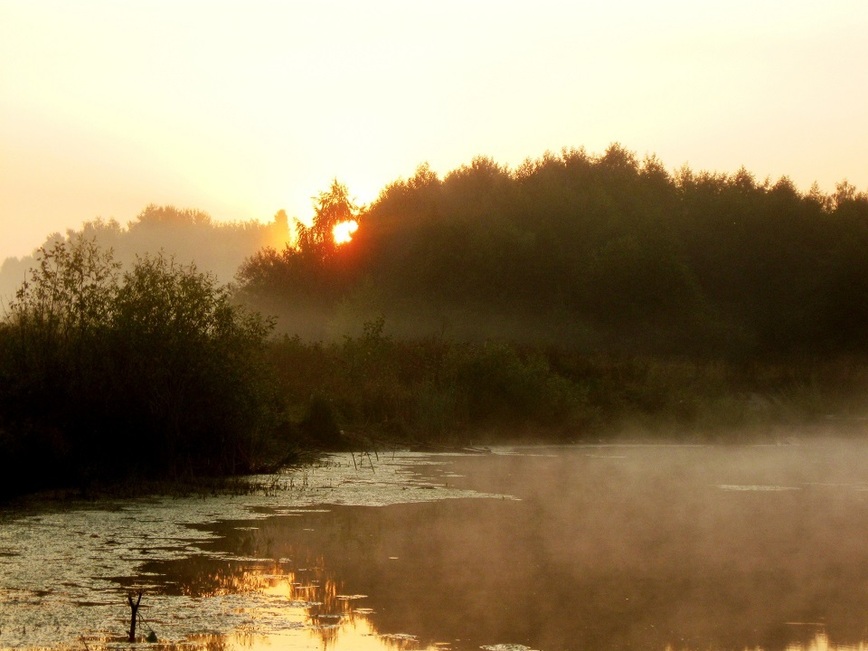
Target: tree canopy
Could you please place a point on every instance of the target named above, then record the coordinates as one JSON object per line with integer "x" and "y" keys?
{"x": 606, "y": 252}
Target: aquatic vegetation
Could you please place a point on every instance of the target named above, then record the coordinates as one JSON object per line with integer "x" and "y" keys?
{"x": 64, "y": 570}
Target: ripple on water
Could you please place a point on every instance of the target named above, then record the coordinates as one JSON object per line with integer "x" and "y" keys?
{"x": 757, "y": 488}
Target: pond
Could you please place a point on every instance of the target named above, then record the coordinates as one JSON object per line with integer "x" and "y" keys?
{"x": 669, "y": 547}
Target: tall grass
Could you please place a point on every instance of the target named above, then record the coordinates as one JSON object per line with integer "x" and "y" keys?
{"x": 378, "y": 387}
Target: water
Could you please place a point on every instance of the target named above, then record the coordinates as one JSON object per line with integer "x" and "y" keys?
{"x": 582, "y": 547}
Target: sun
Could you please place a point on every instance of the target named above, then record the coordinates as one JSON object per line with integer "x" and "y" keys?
{"x": 343, "y": 231}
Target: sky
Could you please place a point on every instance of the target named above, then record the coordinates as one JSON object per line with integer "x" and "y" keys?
{"x": 243, "y": 108}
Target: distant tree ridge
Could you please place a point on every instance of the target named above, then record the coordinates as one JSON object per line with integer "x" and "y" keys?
{"x": 187, "y": 235}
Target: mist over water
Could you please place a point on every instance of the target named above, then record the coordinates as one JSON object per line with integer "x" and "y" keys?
{"x": 579, "y": 547}
{"x": 695, "y": 547}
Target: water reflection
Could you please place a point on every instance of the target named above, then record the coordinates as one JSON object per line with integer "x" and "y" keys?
{"x": 307, "y": 607}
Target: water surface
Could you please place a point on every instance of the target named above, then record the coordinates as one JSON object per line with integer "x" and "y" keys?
{"x": 580, "y": 547}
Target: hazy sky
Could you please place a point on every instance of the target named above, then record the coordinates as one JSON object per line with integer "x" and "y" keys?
{"x": 243, "y": 108}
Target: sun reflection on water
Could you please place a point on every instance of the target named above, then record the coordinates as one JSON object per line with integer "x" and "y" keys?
{"x": 820, "y": 642}
{"x": 304, "y": 609}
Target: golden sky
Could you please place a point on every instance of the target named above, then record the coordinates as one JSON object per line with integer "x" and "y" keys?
{"x": 241, "y": 108}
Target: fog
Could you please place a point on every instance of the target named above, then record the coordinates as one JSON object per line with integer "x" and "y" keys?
{"x": 608, "y": 547}
{"x": 190, "y": 236}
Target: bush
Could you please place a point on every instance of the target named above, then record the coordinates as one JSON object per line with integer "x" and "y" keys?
{"x": 319, "y": 424}
{"x": 151, "y": 371}
{"x": 501, "y": 386}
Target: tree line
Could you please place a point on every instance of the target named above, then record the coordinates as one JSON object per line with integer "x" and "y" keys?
{"x": 598, "y": 253}
{"x": 574, "y": 297}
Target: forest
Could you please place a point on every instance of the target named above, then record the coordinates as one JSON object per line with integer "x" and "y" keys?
{"x": 595, "y": 254}
{"x": 577, "y": 297}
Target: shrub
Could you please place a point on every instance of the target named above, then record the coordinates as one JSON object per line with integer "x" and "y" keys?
{"x": 153, "y": 371}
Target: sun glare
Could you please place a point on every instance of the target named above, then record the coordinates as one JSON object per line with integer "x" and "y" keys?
{"x": 343, "y": 232}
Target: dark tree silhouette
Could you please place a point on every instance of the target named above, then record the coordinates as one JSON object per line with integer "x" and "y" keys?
{"x": 331, "y": 208}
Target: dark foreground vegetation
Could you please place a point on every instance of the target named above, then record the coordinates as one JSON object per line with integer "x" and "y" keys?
{"x": 104, "y": 374}
{"x": 575, "y": 298}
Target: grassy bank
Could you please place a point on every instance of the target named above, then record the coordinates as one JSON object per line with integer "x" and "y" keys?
{"x": 375, "y": 388}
